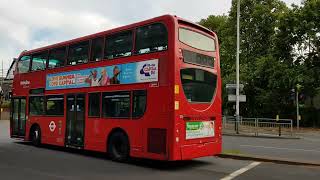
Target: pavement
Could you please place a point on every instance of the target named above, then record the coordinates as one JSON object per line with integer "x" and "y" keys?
{"x": 21, "y": 160}
{"x": 306, "y": 149}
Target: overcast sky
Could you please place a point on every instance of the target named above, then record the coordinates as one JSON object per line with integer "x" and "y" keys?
{"x": 27, "y": 24}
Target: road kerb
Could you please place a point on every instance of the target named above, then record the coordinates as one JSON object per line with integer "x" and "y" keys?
{"x": 268, "y": 159}
{"x": 261, "y": 136}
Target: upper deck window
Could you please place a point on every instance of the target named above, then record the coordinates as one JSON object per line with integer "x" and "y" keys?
{"x": 39, "y": 61}
{"x": 78, "y": 53}
{"x": 196, "y": 40}
{"x": 151, "y": 38}
{"x": 97, "y": 49}
{"x": 24, "y": 64}
{"x": 12, "y": 69}
{"x": 118, "y": 45}
{"x": 57, "y": 57}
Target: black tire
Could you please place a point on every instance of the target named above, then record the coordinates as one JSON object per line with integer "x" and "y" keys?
{"x": 36, "y": 136}
{"x": 118, "y": 146}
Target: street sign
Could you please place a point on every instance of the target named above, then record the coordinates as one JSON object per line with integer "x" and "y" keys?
{"x": 234, "y": 86}
{"x": 233, "y": 98}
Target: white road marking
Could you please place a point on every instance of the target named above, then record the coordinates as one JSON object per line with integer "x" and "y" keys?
{"x": 291, "y": 149}
{"x": 241, "y": 171}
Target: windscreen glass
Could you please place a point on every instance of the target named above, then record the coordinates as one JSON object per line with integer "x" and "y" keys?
{"x": 196, "y": 40}
{"x": 198, "y": 85}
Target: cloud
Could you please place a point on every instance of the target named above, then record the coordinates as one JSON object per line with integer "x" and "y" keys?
{"x": 36, "y": 24}
{"x": 28, "y": 24}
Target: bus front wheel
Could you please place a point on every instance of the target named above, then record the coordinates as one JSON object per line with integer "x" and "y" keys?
{"x": 36, "y": 136}
{"x": 118, "y": 146}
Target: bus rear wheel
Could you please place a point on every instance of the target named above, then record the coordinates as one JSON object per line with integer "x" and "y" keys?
{"x": 36, "y": 136}
{"x": 118, "y": 146}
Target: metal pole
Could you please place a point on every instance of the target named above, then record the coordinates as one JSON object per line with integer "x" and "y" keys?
{"x": 1, "y": 98}
{"x": 237, "y": 65}
{"x": 2, "y": 74}
{"x": 297, "y": 102}
{"x": 291, "y": 128}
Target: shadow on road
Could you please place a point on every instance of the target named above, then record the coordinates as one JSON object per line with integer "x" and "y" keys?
{"x": 146, "y": 163}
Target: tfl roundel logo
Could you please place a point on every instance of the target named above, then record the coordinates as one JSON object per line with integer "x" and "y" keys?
{"x": 148, "y": 69}
{"x": 52, "y": 126}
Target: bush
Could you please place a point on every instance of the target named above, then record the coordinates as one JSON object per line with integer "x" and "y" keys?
{"x": 6, "y": 104}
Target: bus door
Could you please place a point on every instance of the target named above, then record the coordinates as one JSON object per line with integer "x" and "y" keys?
{"x": 75, "y": 120}
{"x": 18, "y": 117}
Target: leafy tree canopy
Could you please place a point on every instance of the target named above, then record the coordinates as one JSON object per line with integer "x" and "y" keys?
{"x": 280, "y": 48}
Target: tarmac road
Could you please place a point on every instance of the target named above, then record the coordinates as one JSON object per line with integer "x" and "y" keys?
{"x": 306, "y": 149}
{"x": 20, "y": 160}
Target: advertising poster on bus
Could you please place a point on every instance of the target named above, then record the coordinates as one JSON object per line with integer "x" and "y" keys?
{"x": 138, "y": 72}
{"x": 199, "y": 129}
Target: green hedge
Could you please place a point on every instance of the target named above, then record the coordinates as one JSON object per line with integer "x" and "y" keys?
{"x": 6, "y": 104}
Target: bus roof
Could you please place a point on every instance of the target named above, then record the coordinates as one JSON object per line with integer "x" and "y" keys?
{"x": 110, "y": 31}
{"x": 195, "y": 25}
{"x": 122, "y": 28}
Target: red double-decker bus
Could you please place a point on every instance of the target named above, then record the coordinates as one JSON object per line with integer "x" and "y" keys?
{"x": 150, "y": 89}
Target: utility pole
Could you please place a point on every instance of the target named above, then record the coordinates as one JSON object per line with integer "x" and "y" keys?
{"x": 297, "y": 104}
{"x": 2, "y": 74}
{"x": 237, "y": 67}
{"x": 1, "y": 89}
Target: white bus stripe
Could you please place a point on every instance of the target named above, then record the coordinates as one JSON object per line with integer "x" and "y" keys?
{"x": 241, "y": 171}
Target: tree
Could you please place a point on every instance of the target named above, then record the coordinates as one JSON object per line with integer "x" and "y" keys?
{"x": 258, "y": 23}
{"x": 279, "y": 49}
{"x": 307, "y": 49}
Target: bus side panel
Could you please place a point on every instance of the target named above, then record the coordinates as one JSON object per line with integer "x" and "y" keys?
{"x": 52, "y": 129}
{"x": 98, "y": 130}
{"x": 156, "y": 122}
{"x": 159, "y": 115}
{"x": 95, "y": 134}
{"x": 156, "y": 116}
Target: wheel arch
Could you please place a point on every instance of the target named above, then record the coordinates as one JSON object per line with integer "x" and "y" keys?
{"x": 33, "y": 126}
{"x": 114, "y": 130}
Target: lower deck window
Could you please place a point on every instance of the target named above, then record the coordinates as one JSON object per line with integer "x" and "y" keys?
{"x": 116, "y": 104}
{"x": 55, "y": 105}
{"x": 36, "y": 105}
{"x": 139, "y": 103}
{"x": 94, "y": 105}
